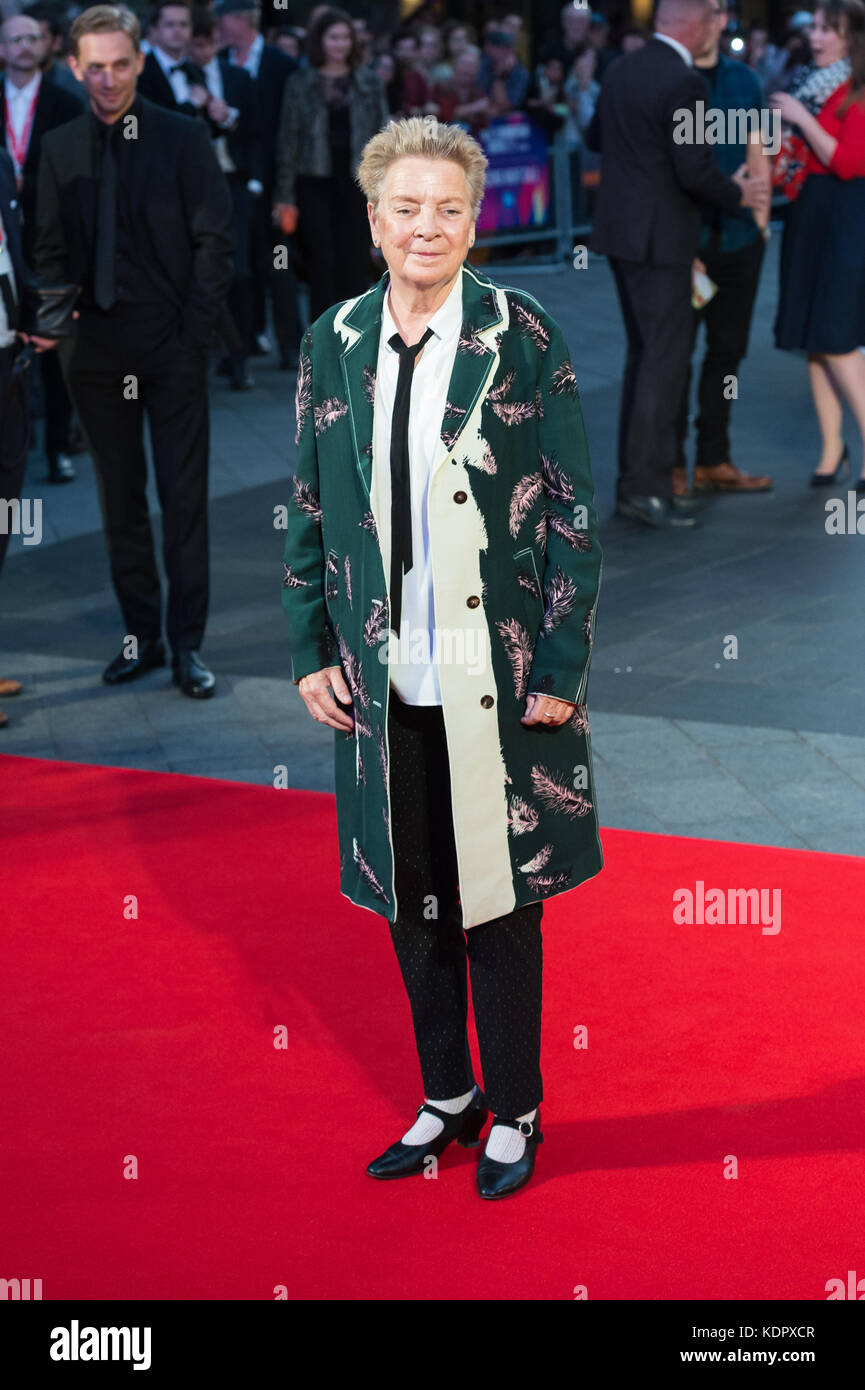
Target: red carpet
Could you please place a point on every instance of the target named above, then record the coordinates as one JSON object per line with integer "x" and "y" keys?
{"x": 149, "y": 1041}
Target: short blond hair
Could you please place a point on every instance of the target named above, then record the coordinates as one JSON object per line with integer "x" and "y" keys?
{"x": 421, "y": 137}
{"x": 105, "y": 19}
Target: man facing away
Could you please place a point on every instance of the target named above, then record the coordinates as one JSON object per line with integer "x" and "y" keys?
{"x": 647, "y": 221}
{"x": 134, "y": 209}
{"x": 731, "y": 254}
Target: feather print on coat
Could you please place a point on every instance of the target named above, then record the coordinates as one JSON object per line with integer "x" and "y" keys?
{"x": 516, "y": 568}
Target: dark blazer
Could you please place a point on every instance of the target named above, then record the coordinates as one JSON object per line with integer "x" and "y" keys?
{"x": 304, "y": 130}
{"x": 10, "y": 211}
{"x": 268, "y": 87}
{"x": 648, "y": 203}
{"x": 244, "y": 141}
{"x": 183, "y": 214}
{"x": 155, "y": 87}
{"x": 54, "y": 107}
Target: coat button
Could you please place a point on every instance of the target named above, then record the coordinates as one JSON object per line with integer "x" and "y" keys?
{"x": 472, "y": 601}
{"x": 487, "y": 701}
{"x": 460, "y": 496}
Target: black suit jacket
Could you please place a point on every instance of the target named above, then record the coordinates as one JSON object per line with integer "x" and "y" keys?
{"x": 182, "y": 214}
{"x": 10, "y": 211}
{"x": 648, "y": 203}
{"x": 155, "y": 87}
{"x": 244, "y": 143}
{"x": 268, "y": 87}
{"x": 54, "y": 107}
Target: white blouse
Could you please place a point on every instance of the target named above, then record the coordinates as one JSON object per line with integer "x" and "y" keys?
{"x": 414, "y": 672}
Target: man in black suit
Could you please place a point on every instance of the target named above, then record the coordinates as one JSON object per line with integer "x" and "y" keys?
{"x": 648, "y": 221}
{"x": 238, "y": 149}
{"x": 30, "y": 106}
{"x": 169, "y": 78}
{"x": 134, "y": 208}
{"x": 268, "y": 66}
{"x": 13, "y": 448}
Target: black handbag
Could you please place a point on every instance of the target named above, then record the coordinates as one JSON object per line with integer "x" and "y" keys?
{"x": 50, "y": 309}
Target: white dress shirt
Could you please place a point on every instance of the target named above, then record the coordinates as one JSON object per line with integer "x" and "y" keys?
{"x": 413, "y": 667}
{"x": 178, "y": 80}
{"x": 680, "y": 48}
{"x": 252, "y": 62}
{"x": 7, "y": 336}
{"x": 18, "y": 101}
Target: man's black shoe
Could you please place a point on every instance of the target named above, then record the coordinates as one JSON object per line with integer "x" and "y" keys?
{"x": 60, "y": 469}
{"x": 193, "y": 677}
{"x": 654, "y": 511}
{"x": 151, "y": 653}
{"x": 687, "y": 506}
{"x": 241, "y": 377}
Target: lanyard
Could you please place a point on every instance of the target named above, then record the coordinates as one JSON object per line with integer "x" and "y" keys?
{"x": 17, "y": 144}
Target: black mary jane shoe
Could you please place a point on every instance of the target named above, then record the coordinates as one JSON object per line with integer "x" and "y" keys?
{"x": 401, "y": 1160}
{"x": 495, "y": 1179}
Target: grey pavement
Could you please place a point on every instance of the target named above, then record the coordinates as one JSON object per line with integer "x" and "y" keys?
{"x": 767, "y": 747}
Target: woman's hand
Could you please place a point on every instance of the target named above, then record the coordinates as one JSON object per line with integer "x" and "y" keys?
{"x": 285, "y": 216}
{"x": 791, "y": 110}
{"x": 315, "y": 691}
{"x": 40, "y": 344}
{"x": 547, "y": 709}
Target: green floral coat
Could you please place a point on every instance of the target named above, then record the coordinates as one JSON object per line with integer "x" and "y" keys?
{"x": 516, "y": 570}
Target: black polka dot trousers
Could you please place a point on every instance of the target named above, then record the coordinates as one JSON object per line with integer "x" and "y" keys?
{"x": 504, "y": 955}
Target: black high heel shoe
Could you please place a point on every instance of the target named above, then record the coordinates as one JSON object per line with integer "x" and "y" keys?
{"x": 495, "y": 1179}
{"x": 827, "y": 479}
{"x": 400, "y": 1160}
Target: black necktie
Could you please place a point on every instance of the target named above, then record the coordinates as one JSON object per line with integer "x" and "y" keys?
{"x": 400, "y": 491}
{"x": 106, "y": 226}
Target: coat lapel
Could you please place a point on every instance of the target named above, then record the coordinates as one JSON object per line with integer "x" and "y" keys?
{"x": 474, "y": 357}
{"x": 359, "y": 325}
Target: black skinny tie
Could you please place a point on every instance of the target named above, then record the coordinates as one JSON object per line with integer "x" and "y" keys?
{"x": 106, "y": 226}
{"x": 400, "y": 490}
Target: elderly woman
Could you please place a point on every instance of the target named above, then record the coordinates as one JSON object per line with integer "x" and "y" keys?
{"x": 440, "y": 581}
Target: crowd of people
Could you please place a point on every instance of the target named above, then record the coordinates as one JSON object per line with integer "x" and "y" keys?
{"x": 199, "y": 246}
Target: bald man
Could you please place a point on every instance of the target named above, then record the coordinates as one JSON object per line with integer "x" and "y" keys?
{"x": 648, "y": 222}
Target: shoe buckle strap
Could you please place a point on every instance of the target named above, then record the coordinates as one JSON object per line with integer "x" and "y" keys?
{"x": 530, "y": 1131}
{"x": 446, "y": 1116}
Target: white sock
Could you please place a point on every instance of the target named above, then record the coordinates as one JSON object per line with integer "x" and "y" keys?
{"x": 505, "y": 1144}
{"x": 427, "y": 1126}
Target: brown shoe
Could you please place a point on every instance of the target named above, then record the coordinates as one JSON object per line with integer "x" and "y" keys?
{"x": 726, "y": 477}
{"x": 681, "y": 486}
{"x": 4, "y": 719}
{"x": 8, "y": 687}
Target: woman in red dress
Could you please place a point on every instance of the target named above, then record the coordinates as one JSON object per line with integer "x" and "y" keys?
{"x": 822, "y": 303}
